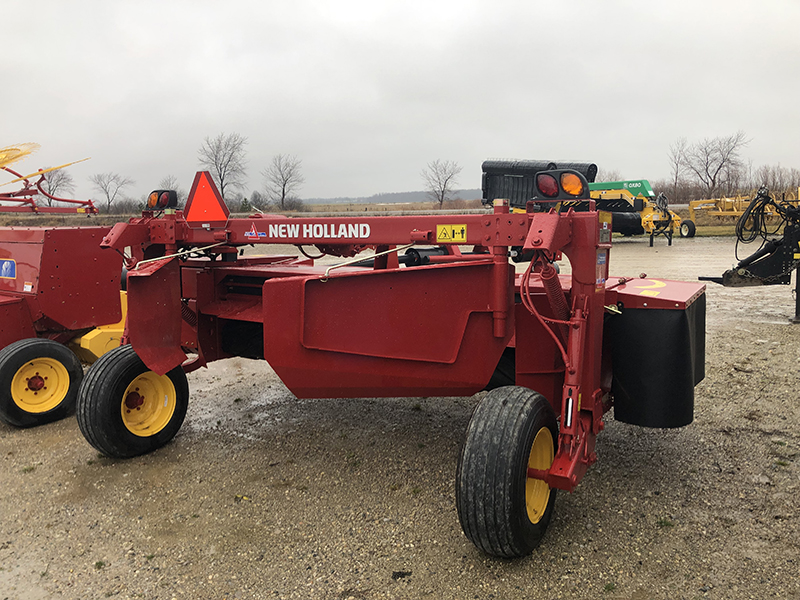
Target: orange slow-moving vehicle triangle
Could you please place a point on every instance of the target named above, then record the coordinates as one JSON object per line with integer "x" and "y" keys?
{"x": 205, "y": 206}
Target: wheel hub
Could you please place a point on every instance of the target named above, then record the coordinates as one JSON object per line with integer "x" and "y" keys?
{"x": 36, "y": 383}
{"x": 134, "y": 401}
{"x": 537, "y": 491}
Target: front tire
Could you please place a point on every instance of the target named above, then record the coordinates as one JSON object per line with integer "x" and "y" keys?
{"x": 687, "y": 229}
{"x": 125, "y": 410}
{"x": 502, "y": 511}
{"x": 39, "y": 381}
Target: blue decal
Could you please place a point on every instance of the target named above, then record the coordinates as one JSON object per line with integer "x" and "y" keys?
{"x": 8, "y": 268}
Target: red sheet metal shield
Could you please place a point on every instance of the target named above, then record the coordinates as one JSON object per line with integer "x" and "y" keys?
{"x": 154, "y": 304}
{"x": 205, "y": 207}
{"x": 15, "y": 320}
{"x": 378, "y": 334}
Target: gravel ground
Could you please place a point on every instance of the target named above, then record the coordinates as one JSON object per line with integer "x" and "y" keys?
{"x": 262, "y": 495}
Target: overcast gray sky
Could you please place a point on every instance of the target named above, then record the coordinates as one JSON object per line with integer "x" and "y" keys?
{"x": 368, "y": 92}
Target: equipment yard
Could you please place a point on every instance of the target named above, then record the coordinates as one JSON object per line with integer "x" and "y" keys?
{"x": 262, "y": 495}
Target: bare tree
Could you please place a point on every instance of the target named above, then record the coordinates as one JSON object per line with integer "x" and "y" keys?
{"x": 714, "y": 162}
{"x": 779, "y": 180}
{"x": 608, "y": 175}
{"x": 170, "y": 182}
{"x": 677, "y": 165}
{"x": 225, "y": 158}
{"x": 258, "y": 200}
{"x": 110, "y": 185}
{"x": 283, "y": 179}
{"x": 440, "y": 179}
{"x": 58, "y": 183}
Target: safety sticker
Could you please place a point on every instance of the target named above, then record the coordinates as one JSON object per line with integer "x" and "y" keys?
{"x": 8, "y": 268}
{"x": 601, "y": 271}
{"x": 451, "y": 234}
{"x": 605, "y": 227}
{"x": 28, "y": 287}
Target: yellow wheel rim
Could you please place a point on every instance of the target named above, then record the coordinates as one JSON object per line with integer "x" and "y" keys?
{"x": 40, "y": 385}
{"x": 148, "y": 404}
{"x": 537, "y": 492}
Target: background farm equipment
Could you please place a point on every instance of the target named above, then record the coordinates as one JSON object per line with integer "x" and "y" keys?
{"x": 56, "y": 286}
{"x": 722, "y": 208}
{"x": 637, "y": 210}
{"x": 779, "y": 251}
{"x": 569, "y": 347}
{"x": 23, "y": 199}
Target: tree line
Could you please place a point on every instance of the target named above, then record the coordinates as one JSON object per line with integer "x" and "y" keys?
{"x": 708, "y": 168}
{"x": 715, "y": 168}
{"x": 225, "y": 157}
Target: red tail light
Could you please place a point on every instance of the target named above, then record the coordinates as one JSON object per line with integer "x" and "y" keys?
{"x": 548, "y": 185}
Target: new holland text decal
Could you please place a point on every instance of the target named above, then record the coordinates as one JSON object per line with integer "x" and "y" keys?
{"x": 322, "y": 231}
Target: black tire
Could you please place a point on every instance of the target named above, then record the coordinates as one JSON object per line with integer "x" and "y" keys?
{"x": 687, "y": 229}
{"x": 492, "y": 474}
{"x": 110, "y": 414}
{"x": 39, "y": 382}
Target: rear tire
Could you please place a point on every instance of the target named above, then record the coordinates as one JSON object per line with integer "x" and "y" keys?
{"x": 687, "y": 229}
{"x": 125, "y": 410}
{"x": 39, "y": 381}
{"x": 503, "y": 511}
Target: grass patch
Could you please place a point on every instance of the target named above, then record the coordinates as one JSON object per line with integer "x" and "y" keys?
{"x": 715, "y": 230}
{"x": 609, "y": 587}
{"x": 665, "y": 523}
{"x": 99, "y": 565}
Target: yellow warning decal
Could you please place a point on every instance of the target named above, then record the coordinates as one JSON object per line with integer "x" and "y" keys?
{"x": 449, "y": 234}
{"x": 647, "y": 290}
